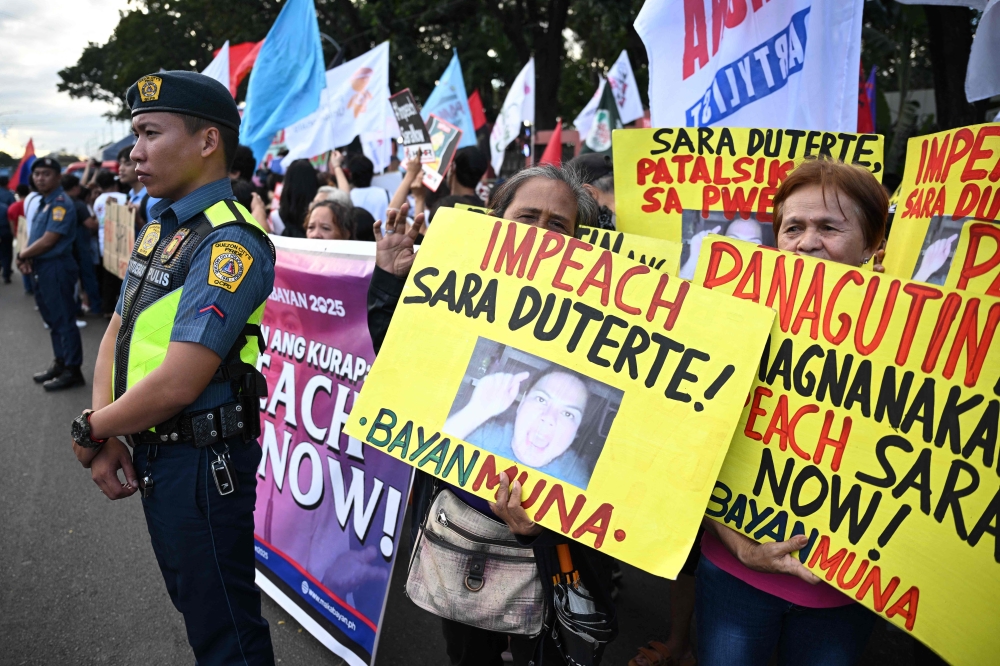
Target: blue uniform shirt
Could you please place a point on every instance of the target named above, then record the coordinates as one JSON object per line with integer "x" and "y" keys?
{"x": 57, "y": 214}
{"x": 208, "y": 315}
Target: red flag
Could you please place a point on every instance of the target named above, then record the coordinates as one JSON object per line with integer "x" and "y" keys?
{"x": 865, "y": 102}
{"x": 241, "y": 59}
{"x": 553, "y": 151}
{"x": 22, "y": 174}
{"x": 476, "y": 109}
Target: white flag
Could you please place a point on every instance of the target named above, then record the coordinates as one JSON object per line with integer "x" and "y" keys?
{"x": 218, "y": 69}
{"x": 626, "y": 95}
{"x": 377, "y": 146}
{"x": 790, "y": 64}
{"x": 518, "y": 108}
{"x": 586, "y": 118}
{"x": 353, "y": 103}
{"x": 982, "y": 79}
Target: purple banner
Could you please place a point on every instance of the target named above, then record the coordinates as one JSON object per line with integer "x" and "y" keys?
{"x": 329, "y": 511}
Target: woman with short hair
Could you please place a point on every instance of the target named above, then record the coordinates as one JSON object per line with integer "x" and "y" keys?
{"x": 754, "y": 598}
{"x": 329, "y": 220}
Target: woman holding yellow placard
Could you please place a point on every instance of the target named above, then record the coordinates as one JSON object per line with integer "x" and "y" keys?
{"x": 753, "y": 598}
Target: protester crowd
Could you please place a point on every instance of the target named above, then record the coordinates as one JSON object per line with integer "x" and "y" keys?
{"x": 750, "y": 599}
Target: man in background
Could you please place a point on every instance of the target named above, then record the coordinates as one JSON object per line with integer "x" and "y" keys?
{"x": 599, "y": 180}
{"x": 49, "y": 260}
{"x": 86, "y": 226}
{"x": 373, "y": 199}
{"x": 466, "y": 171}
{"x": 6, "y": 196}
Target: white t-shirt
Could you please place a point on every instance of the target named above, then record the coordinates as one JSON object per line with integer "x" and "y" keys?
{"x": 375, "y": 200}
{"x": 31, "y": 203}
{"x": 277, "y": 224}
{"x": 101, "y": 207}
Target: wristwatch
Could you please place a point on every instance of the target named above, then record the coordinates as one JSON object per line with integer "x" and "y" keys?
{"x": 81, "y": 432}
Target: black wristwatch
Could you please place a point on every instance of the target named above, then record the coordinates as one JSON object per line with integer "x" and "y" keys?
{"x": 81, "y": 432}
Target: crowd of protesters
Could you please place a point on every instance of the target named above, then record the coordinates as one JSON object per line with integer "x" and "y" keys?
{"x": 751, "y": 600}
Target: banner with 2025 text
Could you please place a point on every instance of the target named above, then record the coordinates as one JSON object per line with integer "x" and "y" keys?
{"x": 329, "y": 510}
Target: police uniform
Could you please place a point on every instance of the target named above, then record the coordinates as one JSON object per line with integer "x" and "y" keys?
{"x": 54, "y": 276}
{"x": 201, "y": 272}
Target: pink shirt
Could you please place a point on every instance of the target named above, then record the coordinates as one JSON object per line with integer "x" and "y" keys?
{"x": 784, "y": 586}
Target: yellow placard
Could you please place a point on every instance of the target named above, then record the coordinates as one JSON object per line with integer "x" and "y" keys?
{"x": 608, "y": 389}
{"x": 474, "y": 209}
{"x": 872, "y": 429}
{"x": 659, "y": 254}
{"x": 682, "y": 183}
{"x": 119, "y": 238}
{"x": 951, "y": 178}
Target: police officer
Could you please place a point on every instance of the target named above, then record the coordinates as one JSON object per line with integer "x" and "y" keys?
{"x": 176, "y": 370}
{"x": 49, "y": 259}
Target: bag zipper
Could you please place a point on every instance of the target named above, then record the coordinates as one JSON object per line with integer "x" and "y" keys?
{"x": 509, "y": 543}
{"x": 438, "y": 540}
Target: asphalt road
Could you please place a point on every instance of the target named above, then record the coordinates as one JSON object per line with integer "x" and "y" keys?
{"x": 78, "y": 581}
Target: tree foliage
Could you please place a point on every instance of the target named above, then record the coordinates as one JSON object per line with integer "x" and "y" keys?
{"x": 494, "y": 39}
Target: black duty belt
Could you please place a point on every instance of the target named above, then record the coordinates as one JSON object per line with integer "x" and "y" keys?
{"x": 203, "y": 428}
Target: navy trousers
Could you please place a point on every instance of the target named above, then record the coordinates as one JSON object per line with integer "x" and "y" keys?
{"x": 85, "y": 262}
{"x": 204, "y": 546}
{"x": 54, "y": 282}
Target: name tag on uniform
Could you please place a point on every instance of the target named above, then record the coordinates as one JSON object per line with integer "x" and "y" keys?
{"x": 136, "y": 268}
{"x": 158, "y": 277}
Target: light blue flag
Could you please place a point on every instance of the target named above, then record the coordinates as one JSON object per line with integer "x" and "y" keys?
{"x": 286, "y": 79}
{"x": 450, "y": 103}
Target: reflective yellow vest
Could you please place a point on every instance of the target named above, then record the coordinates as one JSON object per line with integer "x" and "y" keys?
{"x": 151, "y": 301}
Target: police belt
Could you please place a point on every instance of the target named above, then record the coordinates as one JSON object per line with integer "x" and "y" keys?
{"x": 204, "y": 428}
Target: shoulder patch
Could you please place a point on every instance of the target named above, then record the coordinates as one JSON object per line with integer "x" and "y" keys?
{"x": 230, "y": 263}
{"x": 58, "y": 213}
{"x": 150, "y": 238}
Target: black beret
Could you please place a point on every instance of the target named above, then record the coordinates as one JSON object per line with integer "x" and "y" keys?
{"x": 46, "y": 162}
{"x": 189, "y": 93}
{"x": 592, "y": 166}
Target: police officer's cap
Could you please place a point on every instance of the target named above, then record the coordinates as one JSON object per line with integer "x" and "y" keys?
{"x": 47, "y": 163}
{"x": 188, "y": 93}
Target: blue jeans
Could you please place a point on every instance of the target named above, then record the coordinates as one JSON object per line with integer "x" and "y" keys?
{"x": 739, "y": 625}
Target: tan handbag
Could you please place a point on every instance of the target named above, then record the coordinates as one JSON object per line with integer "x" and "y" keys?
{"x": 471, "y": 569}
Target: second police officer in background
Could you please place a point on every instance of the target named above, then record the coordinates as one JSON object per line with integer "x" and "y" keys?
{"x": 176, "y": 369}
{"x": 48, "y": 257}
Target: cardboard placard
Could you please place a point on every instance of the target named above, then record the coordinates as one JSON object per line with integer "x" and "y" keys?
{"x": 872, "y": 429}
{"x": 444, "y": 139}
{"x": 588, "y": 377}
{"x": 416, "y": 140}
{"x": 119, "y": 238}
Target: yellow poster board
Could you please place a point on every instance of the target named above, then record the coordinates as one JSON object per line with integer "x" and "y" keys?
{"x": 611, "y": 391}
{"x": 951, "y": 178}
{"x": 682, "y": 183}
{"x": 872, "y": 429}
{"x": 658, "y": 254}
{"x": 119, "y": 238}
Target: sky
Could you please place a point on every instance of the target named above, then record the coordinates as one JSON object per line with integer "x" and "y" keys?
{"x": 39, "y": 39}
